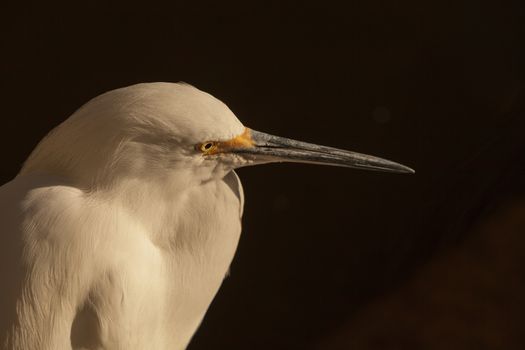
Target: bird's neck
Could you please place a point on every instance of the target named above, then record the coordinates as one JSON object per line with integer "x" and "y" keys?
{"x": 166, "y": 208}
{"x": 149, "y": 200}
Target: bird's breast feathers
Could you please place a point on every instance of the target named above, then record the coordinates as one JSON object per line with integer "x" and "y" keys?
{"x": 77, "y": 250}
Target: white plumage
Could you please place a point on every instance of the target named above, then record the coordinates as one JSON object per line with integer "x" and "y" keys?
{"x": 122, "y": 223}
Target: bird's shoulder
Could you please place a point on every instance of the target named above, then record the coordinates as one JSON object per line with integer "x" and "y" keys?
{"x": 50, "y": 223}
{"x": 47, "y": 209}
{"x": 27, "y": 200}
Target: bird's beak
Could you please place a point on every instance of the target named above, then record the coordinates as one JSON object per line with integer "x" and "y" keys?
{"x": 264, "y": 148}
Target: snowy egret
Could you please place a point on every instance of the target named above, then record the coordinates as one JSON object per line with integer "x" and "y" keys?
{"x": 122, "y": 223}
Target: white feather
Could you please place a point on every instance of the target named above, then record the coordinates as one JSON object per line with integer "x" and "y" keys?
{"x": 115, "y": 235}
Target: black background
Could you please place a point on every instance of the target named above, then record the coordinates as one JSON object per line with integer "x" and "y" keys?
{"x": 325, "y": 252}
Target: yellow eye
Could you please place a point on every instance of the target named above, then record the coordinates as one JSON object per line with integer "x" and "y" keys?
{"x": 207, "y": 146}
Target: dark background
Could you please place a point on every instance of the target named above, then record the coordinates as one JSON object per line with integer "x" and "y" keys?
{"x": 330, "y": 258}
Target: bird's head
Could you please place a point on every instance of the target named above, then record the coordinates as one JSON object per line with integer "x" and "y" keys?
{"x": 170, "y": 131}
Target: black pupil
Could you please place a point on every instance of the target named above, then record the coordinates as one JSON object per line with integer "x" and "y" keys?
{"x": 207, "y": 146}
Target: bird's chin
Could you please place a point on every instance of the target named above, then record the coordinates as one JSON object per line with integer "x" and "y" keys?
{"x": 216, "y": 169}
{"x": 226, "y": 162}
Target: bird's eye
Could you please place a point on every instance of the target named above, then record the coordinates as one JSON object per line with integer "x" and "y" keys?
{"x": 207, "y": 146}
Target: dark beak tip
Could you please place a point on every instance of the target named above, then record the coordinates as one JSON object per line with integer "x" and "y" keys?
{"x": 408, "y": 170}
{"x": 388, "y": 166}
{"x": 400, "y": 170}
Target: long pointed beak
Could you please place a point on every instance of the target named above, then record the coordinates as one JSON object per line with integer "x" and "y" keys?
{"x": 265, "y": 148}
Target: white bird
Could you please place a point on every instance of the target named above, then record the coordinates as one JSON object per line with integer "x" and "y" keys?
{"x": 121, "y": 225}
